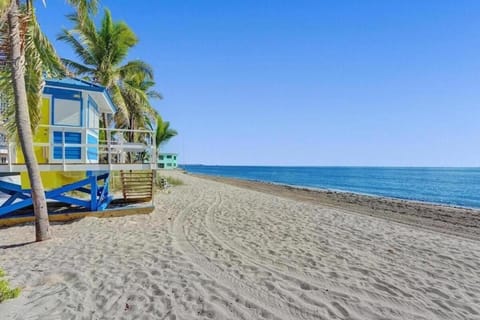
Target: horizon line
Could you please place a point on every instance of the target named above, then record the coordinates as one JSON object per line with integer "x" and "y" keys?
{"x": 328, "y": 166}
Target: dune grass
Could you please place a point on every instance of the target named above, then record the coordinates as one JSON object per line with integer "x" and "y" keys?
{"x": 174, "y": 181}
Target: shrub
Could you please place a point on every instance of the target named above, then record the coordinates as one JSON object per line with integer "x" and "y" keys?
{"x": 5, "y": 291}
{"x": 174, "y": 181}
{"x": 170, "y": 181}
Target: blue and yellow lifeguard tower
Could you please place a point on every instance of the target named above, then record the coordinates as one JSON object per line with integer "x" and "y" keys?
{"x": 75, "y": 155}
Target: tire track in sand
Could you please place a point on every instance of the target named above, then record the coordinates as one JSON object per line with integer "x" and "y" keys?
{"x": 271, "y": 303}
{"x": 304, "y": 280}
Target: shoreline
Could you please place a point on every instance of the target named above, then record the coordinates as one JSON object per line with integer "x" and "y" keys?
{"x": 327, "y": 190}
{"x": 453, "y": 220}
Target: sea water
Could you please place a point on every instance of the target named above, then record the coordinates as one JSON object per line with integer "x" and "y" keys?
{"x": 450, "y": 186}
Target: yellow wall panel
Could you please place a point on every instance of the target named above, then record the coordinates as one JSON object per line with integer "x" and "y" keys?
{"x": 54, "y": 179}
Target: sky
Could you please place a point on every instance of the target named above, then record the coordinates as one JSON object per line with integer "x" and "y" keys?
{"x": 343, "y": 83}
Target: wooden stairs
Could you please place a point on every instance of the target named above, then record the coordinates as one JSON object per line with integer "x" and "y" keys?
{"x": 137, "y": 186}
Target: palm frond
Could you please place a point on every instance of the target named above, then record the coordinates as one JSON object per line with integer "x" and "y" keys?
{"x": 8, "y": 103}
{"x": 163, "y": 132}
{"x": 85, "y": 7}
{"x": 153, "y": 94}
{"x": 50, "y": 61}
{"x": 77, "y": 68}
{"x": 80, "y": 50}
{"x": 116, "y": 94}
{"x": 136, "y": 67}
{"x": 117, "y": 37}
{"x": 40, "y": 60}
{"x": 34, "y": 83}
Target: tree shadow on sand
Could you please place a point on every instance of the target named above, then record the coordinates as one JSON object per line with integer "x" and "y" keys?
{"x": 16, "y": 245}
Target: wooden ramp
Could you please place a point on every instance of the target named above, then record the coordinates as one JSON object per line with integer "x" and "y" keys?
{"x": 137, "y": 186}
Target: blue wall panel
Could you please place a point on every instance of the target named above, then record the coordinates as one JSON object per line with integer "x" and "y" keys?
{"x": 92, "y": 152}
{"x": 71, "y": 153}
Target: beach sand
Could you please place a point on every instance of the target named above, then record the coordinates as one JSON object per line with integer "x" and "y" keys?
{"x": 213, "y": 250}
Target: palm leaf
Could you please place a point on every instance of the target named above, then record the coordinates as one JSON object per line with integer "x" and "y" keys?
{"x": 136, "y": 67}
{"x": 41, "y": 59}
{"x": 77, "y": 68}
{"x": 82, "y": 52}
{"x": 84, "y": 7}
{"x": 163, "y": 132}
{"x": 50, "y": 62}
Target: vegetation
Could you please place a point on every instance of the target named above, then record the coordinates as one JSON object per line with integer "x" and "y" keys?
{"x": 163, "y": 132}
{"x": 136, "y": 97}
{"x": 101, "y": 52}
{"x": 174, "y": 181}
{"x": 5, "y": 291}
{"x": 171, "y": 181}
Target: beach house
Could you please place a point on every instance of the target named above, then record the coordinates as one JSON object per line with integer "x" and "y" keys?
{"x": 73, "y": 152}
{"x": 167, "y": 160}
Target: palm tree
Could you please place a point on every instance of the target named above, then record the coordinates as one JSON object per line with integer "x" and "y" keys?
{"x": 22, "y": 41}
{"x": 22, "y": 119}
{"x": 137, "y": 90}
{"x": 102, "y": 52}
{"x": 163, "y": 132}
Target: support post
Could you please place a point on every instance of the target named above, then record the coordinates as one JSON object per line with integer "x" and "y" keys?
{"x": 10, "y": 151}
{"x": 154, "y": 151}
{"x": 64, "y": 156}
{"x": 93, "y": 193}
{"x": 109, "y": 146}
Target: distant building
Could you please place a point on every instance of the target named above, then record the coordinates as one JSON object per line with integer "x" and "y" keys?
{"x": 167, "y": 160}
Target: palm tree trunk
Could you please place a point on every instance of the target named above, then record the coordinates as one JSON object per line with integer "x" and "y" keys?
{"x": 22, "y": 118}
{"x": 106, "y": 136}
{"x": 132, "y": 127}
{"x": 131, "y": 137}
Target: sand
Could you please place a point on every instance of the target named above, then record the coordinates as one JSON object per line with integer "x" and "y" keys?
{"x": 217, "y": 251}
{"x": 464, "y": 222}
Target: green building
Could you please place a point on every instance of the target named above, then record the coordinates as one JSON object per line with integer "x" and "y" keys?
{"x": 167, "y": 161}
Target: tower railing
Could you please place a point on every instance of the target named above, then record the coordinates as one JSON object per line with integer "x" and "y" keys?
{"x": 123, "y": 149}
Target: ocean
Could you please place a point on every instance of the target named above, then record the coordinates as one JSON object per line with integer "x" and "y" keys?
{"x": 448, "y": 186}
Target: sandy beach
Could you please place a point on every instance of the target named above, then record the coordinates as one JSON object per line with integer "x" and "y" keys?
{"x": 464, "y": 222}
{"x": 229, "y": 249}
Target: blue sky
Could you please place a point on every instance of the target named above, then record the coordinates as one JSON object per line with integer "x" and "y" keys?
{"x": 391, "y": 83}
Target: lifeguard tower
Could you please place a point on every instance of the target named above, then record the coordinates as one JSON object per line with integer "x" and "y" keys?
{"x": 76, "y": 156}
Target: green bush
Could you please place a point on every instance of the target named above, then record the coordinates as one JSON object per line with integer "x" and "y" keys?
{"x": 170, "y": 181}
{"x": 5, "y": 291}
